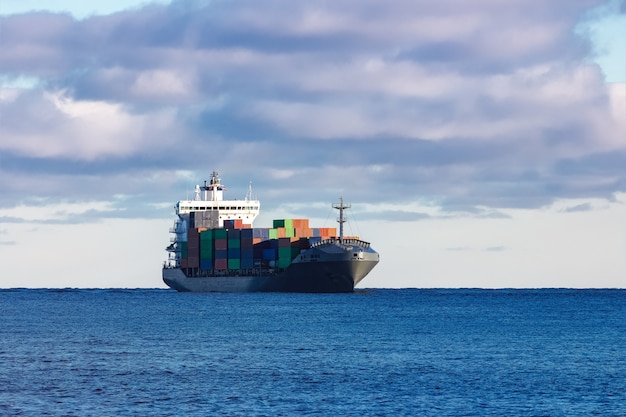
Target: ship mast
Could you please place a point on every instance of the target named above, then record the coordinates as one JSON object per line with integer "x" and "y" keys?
{"x": 341, "y": 220}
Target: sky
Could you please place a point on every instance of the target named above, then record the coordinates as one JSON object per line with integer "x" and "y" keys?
{"x": 481, "y": 144}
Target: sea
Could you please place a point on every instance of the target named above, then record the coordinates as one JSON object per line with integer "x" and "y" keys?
{"x": 375, "y": 352}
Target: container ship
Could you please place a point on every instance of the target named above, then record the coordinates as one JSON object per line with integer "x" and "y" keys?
{"x": 215, "y": 248}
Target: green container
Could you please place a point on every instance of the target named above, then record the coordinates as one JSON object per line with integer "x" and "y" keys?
{"x": 284, "y": 253}
{"x": 220, "y": 233}
{"x": 206, "y": 253}
{"x": 286, "y": 223}
{"x": 207, "y": 235}
{"x": 273, "y": 233}
{"x": 283, "y": 263}
{"x": 234, "y": 264}
{"x": 234, "y": 243}
{"x": 206, "y": 247}
{"x": 183, "y": 249}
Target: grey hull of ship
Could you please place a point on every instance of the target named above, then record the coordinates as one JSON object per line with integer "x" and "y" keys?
{"x": 311, "y": 277}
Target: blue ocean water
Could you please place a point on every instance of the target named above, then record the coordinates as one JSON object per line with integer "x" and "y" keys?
{"x": 372, "y": 353}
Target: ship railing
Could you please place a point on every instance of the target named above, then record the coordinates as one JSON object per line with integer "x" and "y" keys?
{"x": 336, "y": 240}
{"x": 177, "y": 228}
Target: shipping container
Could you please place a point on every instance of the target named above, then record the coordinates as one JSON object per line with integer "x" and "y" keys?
{"x": 233, "y": 253}
{"x": 303, "y": 232}
{"x": 234, "y": 263}
{"x": 247, "y": 253}
{"x": 300, "y": 223}
{"x": 220, "y": 234}
{"x": 205, "y": 219}
{"x": 206, "y": 264}
{"x": 284, "y": 253}
{"x": 193, "y": 262}
{"x": 221, "y": 264}
{"x": 283, "y": 262}
{"x": 247, "y": 243}
{"x": 269, "y": 254}
{"x": 261, "y": 232}
{"x": 207, "y": 235}
{"x": 206, "y": 252}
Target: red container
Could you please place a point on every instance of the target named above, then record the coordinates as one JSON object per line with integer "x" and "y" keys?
{"x": 221, "y": 264}
{"x": 193, "y": 262}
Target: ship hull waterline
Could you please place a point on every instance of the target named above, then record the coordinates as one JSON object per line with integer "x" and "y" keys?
{"x": 323, "y": 277}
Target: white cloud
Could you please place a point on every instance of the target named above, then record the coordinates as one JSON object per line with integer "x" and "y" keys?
{"x": 164, "y": 85}
{"x": 60, "y": 126}
{"x": 43, "y": 212}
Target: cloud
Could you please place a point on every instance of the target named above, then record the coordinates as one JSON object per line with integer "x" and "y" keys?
{"x": 467, "y": 104}
{"x": 53, "y": 125}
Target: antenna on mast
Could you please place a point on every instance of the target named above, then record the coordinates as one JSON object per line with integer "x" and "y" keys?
{"x": 341, "y": 220}
{"x": 249, "y": 195}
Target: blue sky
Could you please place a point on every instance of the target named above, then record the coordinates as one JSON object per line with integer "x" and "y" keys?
{"x": 481, "y": 145}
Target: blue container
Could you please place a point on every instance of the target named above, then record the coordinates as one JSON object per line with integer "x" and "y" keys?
{"x": 262, "y": 233}
{"x": 247, "y": 263}
{"x": 269, "y": 254}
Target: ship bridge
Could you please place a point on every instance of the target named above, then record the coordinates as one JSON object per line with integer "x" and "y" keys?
{"x": 209, "y": 199}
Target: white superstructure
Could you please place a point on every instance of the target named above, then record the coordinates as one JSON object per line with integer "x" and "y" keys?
{"x": 210, "y": 197}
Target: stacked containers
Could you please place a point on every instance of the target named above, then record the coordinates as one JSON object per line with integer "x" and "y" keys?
{"x": 284, "y": 252}
{"x": 236, "y": 246}
{"x": 206, "y": 249}
{"x": 301, "y": 228}
{"x": 234, "y": 249}
{"x": 247, "y": 248}
{"x": 193, "y": 248}
{"x": 220, "y": 245}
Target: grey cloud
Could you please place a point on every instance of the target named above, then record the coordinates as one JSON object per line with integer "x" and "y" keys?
{"x": 455, "y": 113}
